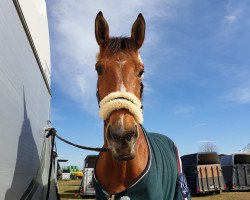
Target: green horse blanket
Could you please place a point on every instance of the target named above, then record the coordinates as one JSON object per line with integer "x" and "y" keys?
{"x": 162, "y": 180}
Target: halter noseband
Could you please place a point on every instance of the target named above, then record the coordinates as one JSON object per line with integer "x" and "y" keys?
{"x": 119, "y": 100}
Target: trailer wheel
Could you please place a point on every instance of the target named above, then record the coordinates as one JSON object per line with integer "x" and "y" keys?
{"x": 217, "y": 192}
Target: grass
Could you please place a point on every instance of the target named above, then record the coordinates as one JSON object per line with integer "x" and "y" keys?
{"x": 68, "y": 189}
{"x": 236, "y": 195}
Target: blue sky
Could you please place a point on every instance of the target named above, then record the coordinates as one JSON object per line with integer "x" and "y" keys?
{"x": 197, "y": 71}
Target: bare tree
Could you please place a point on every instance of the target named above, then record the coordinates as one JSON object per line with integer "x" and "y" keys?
{"x": 246, "y": 149}
{"x": 208, "y": 147}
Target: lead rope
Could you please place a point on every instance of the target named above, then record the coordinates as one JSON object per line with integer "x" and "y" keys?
{"x": 52, "y": 132}
{"x": 50, "y": 166}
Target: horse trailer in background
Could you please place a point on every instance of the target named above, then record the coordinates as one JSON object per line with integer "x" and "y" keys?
{"x": 203, "y": 172}
{"x": 236, "y": 171}
{"x": 87, "y": 187}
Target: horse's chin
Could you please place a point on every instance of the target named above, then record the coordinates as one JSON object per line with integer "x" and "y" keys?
{"x": 123, "y": 157}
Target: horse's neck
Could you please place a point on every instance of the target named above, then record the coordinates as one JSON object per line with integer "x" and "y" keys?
{"x": 115, "y": 176}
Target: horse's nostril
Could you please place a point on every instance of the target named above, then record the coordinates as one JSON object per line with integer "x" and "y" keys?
{"x": 129, "y": 136}
{"x": 113, "y": 135}
{"x": 116, "y": 137}
{"x": 120, "y": 135}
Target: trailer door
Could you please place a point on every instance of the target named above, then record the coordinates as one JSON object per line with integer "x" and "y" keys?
{"x": 242, "y": 175}
{"x": 210, "y": 178}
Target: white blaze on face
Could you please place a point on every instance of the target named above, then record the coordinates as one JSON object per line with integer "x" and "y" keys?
{"x": 121, "y": 122}
{"x": 122, "y": 86}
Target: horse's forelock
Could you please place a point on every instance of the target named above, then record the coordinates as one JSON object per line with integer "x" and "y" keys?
{"x": 119, "y": 44}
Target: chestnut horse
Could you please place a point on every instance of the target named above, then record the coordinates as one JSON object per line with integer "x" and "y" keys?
{"x": 131, "y": 168}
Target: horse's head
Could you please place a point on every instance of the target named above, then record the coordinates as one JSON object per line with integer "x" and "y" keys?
{"x": 119, "y": 90}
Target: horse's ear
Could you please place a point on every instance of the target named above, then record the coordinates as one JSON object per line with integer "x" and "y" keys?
{"x": 101, "y": 29}
{"x": 138, "y": 31}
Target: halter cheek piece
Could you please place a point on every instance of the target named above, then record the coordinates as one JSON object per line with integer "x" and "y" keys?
{"x": 119, "y": 100}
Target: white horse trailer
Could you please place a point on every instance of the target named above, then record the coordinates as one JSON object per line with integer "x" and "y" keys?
{"x": 28, "y": 166}
{"x": 87, "y": 187}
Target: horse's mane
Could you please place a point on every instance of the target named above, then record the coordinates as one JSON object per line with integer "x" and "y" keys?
{"x": 119, "y": 44}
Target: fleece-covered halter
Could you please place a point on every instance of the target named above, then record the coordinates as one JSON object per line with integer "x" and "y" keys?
{"x": 119, "y": 100}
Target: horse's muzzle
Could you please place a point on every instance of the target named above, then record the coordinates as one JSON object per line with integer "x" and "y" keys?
{"x": 122, "y": 142}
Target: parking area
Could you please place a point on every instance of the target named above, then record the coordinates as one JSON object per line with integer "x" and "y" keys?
{"x": 69, "y": 189}
{"x": 236, "y": 195}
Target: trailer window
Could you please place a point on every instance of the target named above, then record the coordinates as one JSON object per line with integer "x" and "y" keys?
{"x": 242, "y": 159}
{"x": 208, "y": 158}
{"x": 90, "y": 162}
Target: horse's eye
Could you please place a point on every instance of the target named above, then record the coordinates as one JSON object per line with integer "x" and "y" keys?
{"x": 99, "y": 69}
{"x": 141, "y": 73}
